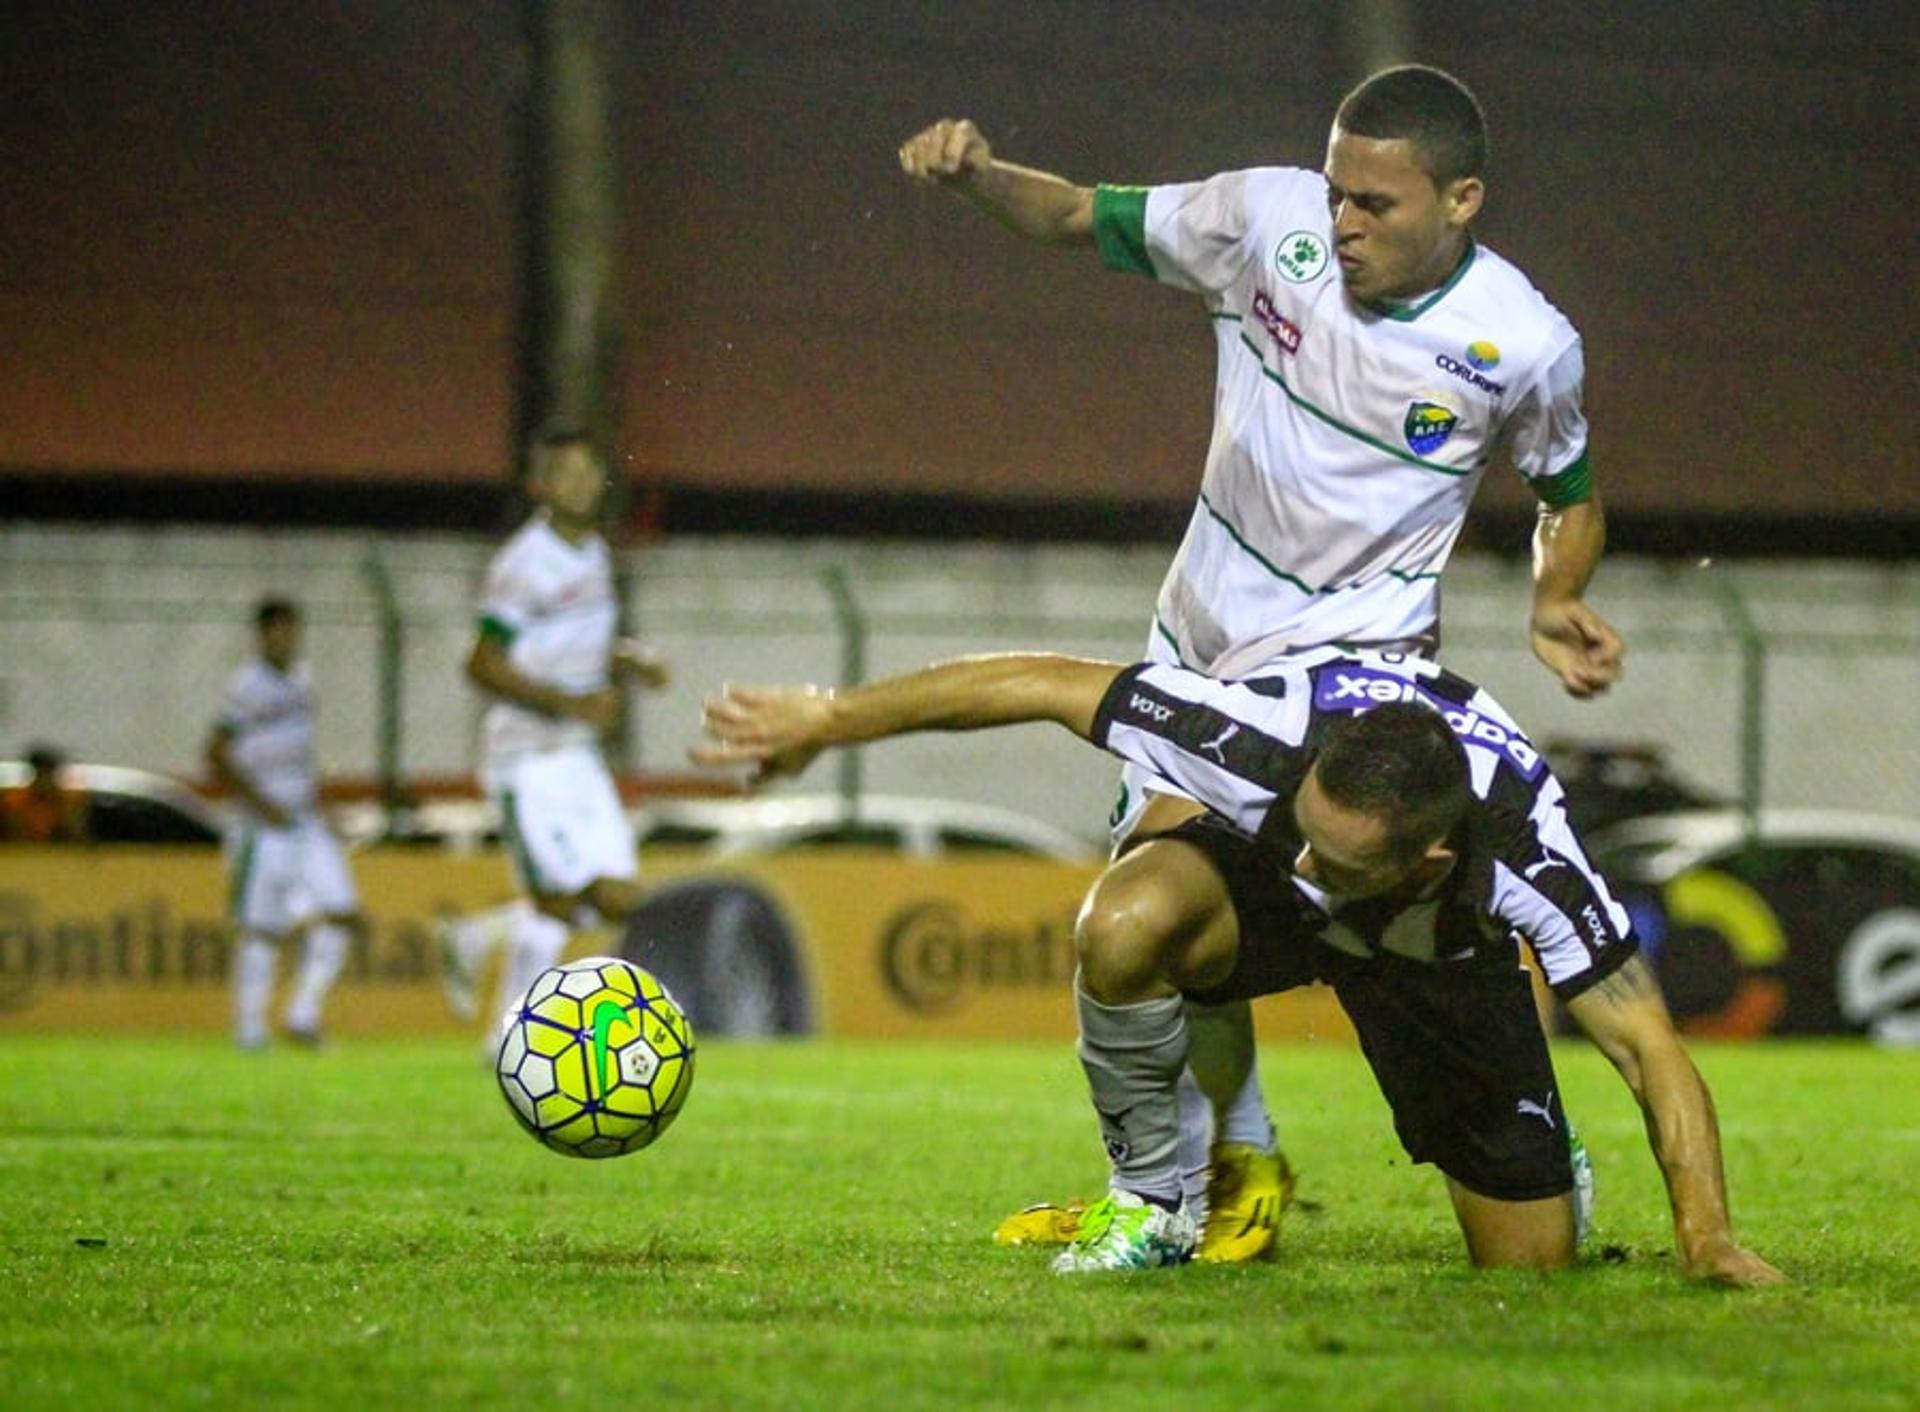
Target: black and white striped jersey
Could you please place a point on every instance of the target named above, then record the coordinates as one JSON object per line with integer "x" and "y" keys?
{"x": 1243, "y": 748}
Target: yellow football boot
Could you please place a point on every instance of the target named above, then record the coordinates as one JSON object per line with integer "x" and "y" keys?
{"x": 1043, "y": 1224}
{"x": 1247, "y": 1190}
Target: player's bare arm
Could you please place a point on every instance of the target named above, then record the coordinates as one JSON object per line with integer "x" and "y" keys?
{"x": 220, "y": 760}
{"x": 953, "y": 153}
{"x": 1625, "y": 1016}
{"x": 489, "y": 669}
{"x": 779, "y": 730}
{"x": 1576, "y": 643}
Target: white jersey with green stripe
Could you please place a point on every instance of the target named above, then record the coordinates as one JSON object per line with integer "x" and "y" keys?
{"x": 267, "y": 720}
{"x": 550, "y": 603}
{"x": 1347, "y": 439}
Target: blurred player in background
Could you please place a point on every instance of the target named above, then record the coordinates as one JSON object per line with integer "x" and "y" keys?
{"x": 1372, "y": 358}
{"x": 289, "y": 874}
{"x": 43, "y": 810}
{"x": 549, "y": 654}
{"x": 1373, "y": 822}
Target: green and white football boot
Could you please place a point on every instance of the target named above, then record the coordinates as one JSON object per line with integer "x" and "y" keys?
{"x": 1122, "y": 1231}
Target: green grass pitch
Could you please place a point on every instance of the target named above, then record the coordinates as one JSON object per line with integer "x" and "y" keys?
{"x": 184, "y": 1226}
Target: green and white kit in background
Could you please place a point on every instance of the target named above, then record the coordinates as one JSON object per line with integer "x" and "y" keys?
{"x": 551, "y": 606}
{"x": 284, "y": 878}
{"x": 282, "y": 874}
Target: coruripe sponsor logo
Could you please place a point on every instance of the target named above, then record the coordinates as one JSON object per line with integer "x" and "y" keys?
{"x": 1469, "y": 375}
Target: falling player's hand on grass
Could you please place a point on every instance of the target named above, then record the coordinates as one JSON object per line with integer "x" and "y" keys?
{"x": 777, "y": 729}
{"x": 1578, "y": 646}
{"x": 948, "y": 150}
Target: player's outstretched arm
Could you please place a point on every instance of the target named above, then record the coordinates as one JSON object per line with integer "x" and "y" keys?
{"x": 1625, "y": 1016}
{"x": 1576, "y": 644}
{"x": 953, "y": 153}
{"x": 780, "y": 729}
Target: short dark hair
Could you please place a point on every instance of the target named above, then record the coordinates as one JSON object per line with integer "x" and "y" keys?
{"x": 1400, "y": 762}
{"x": 275, "y": 610}
{"x": 45, "y": 759}
{"x": 554, "y": 437}
{"x": 1428, "y": 107}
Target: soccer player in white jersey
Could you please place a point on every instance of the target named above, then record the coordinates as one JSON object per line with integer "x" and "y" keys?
{"x": 1376, "y": 823}
{"x": 1372, "y": 360}
{"x": 549, "y": 653}
{"x": 289, "y": 875}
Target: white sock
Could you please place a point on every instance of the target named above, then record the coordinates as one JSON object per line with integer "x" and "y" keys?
{"x": 1221, "y": 1058}
{"x": 1133, "y": 1055}
{"x": 1246, "y": 1119}
{"x": 321, "y": 958}
{"x": 534, "y": 944}
{"x": 254, "y": 959}
{"x": 473, "y": 936}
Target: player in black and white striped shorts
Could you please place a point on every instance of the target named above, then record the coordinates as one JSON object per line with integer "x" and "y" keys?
{"x": 1376, "y": 822}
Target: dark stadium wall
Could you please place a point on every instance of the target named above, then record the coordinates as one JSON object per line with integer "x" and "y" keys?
{"x": 269, "y": 251}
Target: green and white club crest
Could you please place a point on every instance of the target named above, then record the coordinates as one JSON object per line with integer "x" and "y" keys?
{"x": 1300, "y": 256}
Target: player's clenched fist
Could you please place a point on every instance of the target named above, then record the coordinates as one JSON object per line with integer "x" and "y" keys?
{"x": 951, "y": 148}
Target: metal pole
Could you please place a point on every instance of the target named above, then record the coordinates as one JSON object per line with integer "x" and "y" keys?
{"x": 391, "y": 691}
{"x": 852, "y": 623}
{"x": 1374, "y": 35}
{"x": 1753, "y": 701}
{"x": 570, "y": 321}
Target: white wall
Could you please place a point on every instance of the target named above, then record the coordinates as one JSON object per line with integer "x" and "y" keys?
{"x": 115, "y": 642}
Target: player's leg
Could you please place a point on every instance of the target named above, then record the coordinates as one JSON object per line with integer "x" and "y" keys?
{"x": 614, "y": 898}
{"x": 1156, "y": 921}
{"x": 1257, "y": 1183}
{"x": 258, "y": 881}
{"x": 1248, "y": 1181}
{"x": 465, "y": 942}
{"x": 574, "y": 848}
{"x": 255, "y": 958}
{"x": 604, "y": 840}
{"x": 535, "y": 942}
{"x": 1233, "y": 1176}
{"x": 1459, "y": 1055}
{"x": 1532, "y": 1235}
{"x": 322, "y": 954}
{"x": 325, "y": 879}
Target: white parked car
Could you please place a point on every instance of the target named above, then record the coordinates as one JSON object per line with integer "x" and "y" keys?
{"x": 127, "y": 805}
{"x": 915, "y": 827}
{"x": 733, "y": 828}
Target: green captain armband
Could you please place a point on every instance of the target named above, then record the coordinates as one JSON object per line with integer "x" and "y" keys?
{"x": 1570, "y": 486}
{"x": 1120, "y": 228}
{"x": 493, "y": 630}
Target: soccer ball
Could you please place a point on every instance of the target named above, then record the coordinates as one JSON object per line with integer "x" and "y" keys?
{"x": 597, "y": 1060}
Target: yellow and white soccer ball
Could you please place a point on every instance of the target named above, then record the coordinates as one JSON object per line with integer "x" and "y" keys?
{"x": 597, "y": 1059}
